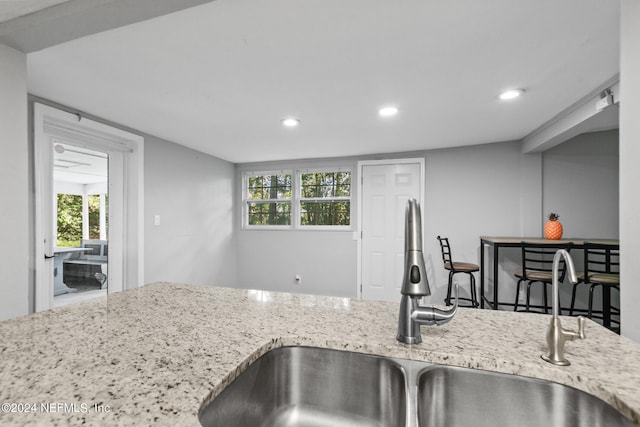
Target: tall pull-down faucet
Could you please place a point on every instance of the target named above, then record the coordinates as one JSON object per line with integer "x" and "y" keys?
{"x": 556, "y": 334}
{"x": 415, "y": 284}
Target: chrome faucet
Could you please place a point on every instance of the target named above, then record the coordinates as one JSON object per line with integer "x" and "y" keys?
{"x": 556, "y": 334}
{"x": 415, "y": 284}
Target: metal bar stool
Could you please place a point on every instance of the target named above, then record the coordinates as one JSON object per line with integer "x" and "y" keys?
{"x": 537, "y": 267}
{"x": 601, "y": 269}
{"x": 455, "y": 268}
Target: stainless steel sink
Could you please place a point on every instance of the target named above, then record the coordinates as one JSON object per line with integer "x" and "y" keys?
{"x": 311, "y": 387}
{"x": 298, "y": 386}
{"x": 450, "y": 396}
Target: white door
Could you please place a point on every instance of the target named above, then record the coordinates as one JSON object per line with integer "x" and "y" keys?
{"x": 125, "y": 202}
{"x": 385, "y": 189}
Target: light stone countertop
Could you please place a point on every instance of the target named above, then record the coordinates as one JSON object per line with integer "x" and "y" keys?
{"x": 153, "y": 355}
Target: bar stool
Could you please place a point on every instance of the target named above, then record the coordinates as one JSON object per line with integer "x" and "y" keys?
{"x": 537, "y": 267}
{"x": 601, "y": 270}
{"x": 455, "y": 268}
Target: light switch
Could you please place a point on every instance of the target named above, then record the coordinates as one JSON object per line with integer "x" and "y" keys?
{"x": 156, "y": 220}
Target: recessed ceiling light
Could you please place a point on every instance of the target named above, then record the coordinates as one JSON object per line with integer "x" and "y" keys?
{"x": 511, "y": 94}
{"x": 290, "y": 122}
{"x": 388, "y": 111}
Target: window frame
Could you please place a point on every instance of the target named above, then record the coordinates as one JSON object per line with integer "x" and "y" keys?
{"x": 296, "y": 199}
{"x": 246, "y": 200}
{"x": 300, "y": 199}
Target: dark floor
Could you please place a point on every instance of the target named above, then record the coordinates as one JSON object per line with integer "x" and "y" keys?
{"x": 83, "y": 284}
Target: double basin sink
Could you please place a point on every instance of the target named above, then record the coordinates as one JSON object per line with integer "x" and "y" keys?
{"x": 312, "y": 387}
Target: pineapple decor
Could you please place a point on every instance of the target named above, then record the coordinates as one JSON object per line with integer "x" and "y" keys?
{"x": 553, "y": 228}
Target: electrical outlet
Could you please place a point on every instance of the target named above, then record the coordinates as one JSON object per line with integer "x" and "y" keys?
{"x": 298, "y": 279}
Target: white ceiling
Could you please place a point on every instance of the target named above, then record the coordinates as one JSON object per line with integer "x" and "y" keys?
{"x": 219, "y": 77}
{"x": 79, "y": 165}
{"x": 10, "y": 9}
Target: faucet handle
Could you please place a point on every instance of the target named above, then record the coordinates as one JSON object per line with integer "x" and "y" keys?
{"x": 574, "y": 335}
{"x": 581, "y": 321}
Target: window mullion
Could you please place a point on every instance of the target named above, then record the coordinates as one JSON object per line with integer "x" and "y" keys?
{"x": 296, "y": 195}
{"x": 263, "y": 210}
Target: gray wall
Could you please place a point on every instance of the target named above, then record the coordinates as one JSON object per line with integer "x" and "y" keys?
{"x": 472, "y": 192}
{"x": 629, "y": 170}
{"x": 480, "y": 190}
{"x": 580, "y": 182}
{"x": 270, "y": 259}
{"x": 490, "y": 190}
{"x": 14, "y": 185}
{"x": 193, "y": 193}
{"x": 494, "y": 190}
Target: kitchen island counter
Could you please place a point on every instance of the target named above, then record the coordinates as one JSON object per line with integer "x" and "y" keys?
{"x": 153, "y": 355}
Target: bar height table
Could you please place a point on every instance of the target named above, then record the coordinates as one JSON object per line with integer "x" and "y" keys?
{"x": 512, "y": 242}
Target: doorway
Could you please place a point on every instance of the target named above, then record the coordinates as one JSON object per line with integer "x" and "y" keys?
{"x": 81, "y": 226}
{"x": 86, "y": 166}
{"x": 385, "y": 187}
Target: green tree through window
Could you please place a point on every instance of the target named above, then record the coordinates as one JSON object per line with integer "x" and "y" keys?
{"x": 69, "y": 220}
{"x": 319, "y": 198}
{"x": 325, "y": 198}
{"x": 269, "y": 199}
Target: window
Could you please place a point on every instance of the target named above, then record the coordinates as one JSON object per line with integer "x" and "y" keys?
{"x": 319, "y": 199}
{"x": 325, "y": 199}
{"x": 69, "y": 220}
{"x": 268, "y": 199}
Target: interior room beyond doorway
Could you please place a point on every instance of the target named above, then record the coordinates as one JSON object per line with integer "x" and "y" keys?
{"x": 81, "y": 204}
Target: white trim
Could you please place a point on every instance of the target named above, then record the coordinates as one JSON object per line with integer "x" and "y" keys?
{"x": 358, "y": 233}
{"x": 43, "y": 181}
{"x": 298, "y": 199}
{"x": 86, "y": 133}
{"x": 325, "y": 169}
{"x": 51, "y": 122}
{"x": 85, "y": 216}
{"x": 245, "y": 201}
{"x": 103, "y": 216}
{"x": 269, "y": 172}
{"x": 296, "y": 193}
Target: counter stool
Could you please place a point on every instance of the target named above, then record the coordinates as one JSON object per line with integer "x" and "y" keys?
{"x": 537, "y": 267}
{"x": 455, "y": 268}
{"x": 601, "y": 270}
